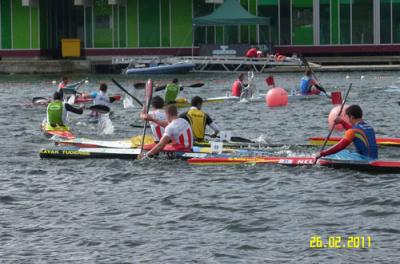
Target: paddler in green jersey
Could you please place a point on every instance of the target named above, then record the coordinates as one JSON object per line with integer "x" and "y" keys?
{"x": 57, "y": 111}
{"x": 171, "y": 92}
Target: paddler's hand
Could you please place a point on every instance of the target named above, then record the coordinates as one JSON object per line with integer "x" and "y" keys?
{"x": 338, "y": 120}
{"x": 214, "y": 135}
{"x": 142, "y": 156}
{"x": 146, "y": 117}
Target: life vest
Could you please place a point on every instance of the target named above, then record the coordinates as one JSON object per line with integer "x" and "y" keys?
{"x": 197, "y": 119}
{"x": 56, "y": 114}
{"x": 237, "y": 88}
{"x": 171, "y": 92}
{"x": 363, "y": 139}
{"x": 305, "y": 84}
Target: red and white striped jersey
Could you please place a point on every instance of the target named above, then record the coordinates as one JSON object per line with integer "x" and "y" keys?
{"x": 158, "y": 131}
{"x": 180, "y": 132}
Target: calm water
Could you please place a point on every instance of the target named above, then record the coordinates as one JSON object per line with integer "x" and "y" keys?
{"x": 113, "y": 211}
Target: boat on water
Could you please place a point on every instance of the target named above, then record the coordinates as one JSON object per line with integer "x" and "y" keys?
{"x": 160, "y": 68}
{"x": 376, "y": 166}
{"x": 58, "y": 131}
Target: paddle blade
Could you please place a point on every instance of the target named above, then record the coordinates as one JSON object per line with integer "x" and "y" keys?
{"x": 270, "y": 81}
{"x": 71, "y": 100}
{"x": 40, "y": 101}
{"x": 148, "y": 95}
{"x": 139, "y": 86}
{"x": 136, "y": 141}
{"x": 195, "y": 85}
{"x": 101, "y": 109}
{"x": 241, "y": 140}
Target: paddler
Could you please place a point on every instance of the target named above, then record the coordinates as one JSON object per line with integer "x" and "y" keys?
{"x": 308, "y": 85}
{"x": 178, "y": 131}
{"x": 198, "y": 120}
{"x": 100, "y": 98}
{"x": 171, "y": 91}
{"x": 358, "y": 132}
{"x": 157, "y": 113}
{"x": 238, "y": 86}
{"x": 57, "y": 111}
{"x": 63, "y": 84}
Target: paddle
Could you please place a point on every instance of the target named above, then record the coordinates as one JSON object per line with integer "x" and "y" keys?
{"x": 40, "y": 101}
{"x": 195, "y": 85}
{"x": 139, "y": 86}
{"x": 148, "y": 95}
{"x": 319, "y": 87}
{"x": 101, "y": 109}
{"x": 333, "y": 127}
{"x": 123, "y": 89}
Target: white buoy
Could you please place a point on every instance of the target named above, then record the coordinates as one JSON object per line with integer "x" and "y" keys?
{"x": 347, "y": 77}
{"x": 53, "y": 82}
{"x": 86, "y": 81}
{"x": 362, "y": 77}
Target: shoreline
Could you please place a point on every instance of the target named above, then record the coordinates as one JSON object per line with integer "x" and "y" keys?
{"x": 18, "y": 66}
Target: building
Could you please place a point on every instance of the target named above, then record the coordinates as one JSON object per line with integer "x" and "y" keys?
{"x": 34, "y": 28}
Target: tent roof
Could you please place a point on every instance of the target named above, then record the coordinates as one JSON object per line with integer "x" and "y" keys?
{"x": 230, "y": 13}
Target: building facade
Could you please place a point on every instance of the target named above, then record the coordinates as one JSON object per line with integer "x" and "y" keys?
{"x": 132, "y": 27}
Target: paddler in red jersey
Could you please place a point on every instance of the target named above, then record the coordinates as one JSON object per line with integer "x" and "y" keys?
{"x": 238, "y": 86}
{"x": 178, "y": 131}
{"x": 358, "y": 132}
{"x": 63, "y": 84}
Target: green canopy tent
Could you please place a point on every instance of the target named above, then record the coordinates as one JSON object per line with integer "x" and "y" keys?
{"x": 231, "y": 12}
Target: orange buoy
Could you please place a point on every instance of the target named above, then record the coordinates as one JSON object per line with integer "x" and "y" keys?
{"x": 276, "y": 97}
{"x": 333, "y": 115}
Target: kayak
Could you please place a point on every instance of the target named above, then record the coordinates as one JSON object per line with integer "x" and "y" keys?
{"x": 78, "y": 100}
{"x": 73, "y": 152}
{"x": 58, "y": 131}
{"x": 376, "y": 166}
{"x": 319, "y": 141}
{"x": 135, "y": 141}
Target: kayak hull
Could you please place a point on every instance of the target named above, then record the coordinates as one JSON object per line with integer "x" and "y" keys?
{"x": 58, "y": 131}
{"x": 377, "y": 166}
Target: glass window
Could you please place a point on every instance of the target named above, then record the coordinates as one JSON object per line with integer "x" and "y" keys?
{"x": 363, "y": 22}
{"x": 385, "y": 21}
{"x": 269, "y": 8}
{"x": 202, "y": 34}
{"x": 285, "y": 22}
{"x": 302, "y": 16}
{"x": 396, "y": 20}
{"x": 325, "y": 21}
{"x": 344, "y": 21}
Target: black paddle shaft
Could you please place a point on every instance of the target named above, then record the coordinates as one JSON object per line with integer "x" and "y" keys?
{"x": 123, "y": 89}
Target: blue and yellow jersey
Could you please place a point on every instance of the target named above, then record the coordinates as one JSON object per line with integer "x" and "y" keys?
{"x": 363, "y": 137}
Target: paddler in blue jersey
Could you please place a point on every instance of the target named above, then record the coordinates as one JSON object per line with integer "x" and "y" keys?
{"x": 57, "y": 111}
{"x": 172, "y": 91}
{"x": 358, "y": 132}
{"x": 308, "y": 85}
{"x": 198, "y": 120}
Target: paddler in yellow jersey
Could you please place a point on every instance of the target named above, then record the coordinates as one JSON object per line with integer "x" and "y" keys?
{"x": 198, "y": 120}
{"x": 171, "y": 92}
{"x": 57, "y": 111}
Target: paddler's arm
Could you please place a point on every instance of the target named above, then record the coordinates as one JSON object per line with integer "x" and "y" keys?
{"x": 72, "y": 109}
{"x": 212, "y": 125}
{"x": 151, "y": 118}
{"x": 345, "y": 125}
{"x": 341, "y": 145}
{"x": 157, "y": 148}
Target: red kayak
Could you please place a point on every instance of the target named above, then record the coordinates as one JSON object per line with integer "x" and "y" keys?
{"x": 378, "y": 166}
{"x": 319, "y": 141}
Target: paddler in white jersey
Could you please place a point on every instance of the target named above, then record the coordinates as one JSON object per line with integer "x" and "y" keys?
{"x": 178, "y": 131}
{"x": 57, "y": 111}
{"x": 157, "y": 113}
{"x": 100, "y": 98}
